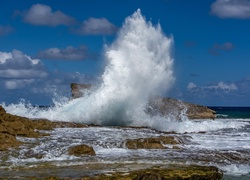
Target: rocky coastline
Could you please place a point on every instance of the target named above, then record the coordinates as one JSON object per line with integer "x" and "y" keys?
{"x": 12, "y": 126}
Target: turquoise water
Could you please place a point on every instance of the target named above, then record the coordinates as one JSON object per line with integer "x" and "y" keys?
{"x": 232, "y": 112}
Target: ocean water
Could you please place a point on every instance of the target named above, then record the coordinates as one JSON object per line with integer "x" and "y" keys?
{"x": 139, "y": 65}
{"x": 232, "y": 112}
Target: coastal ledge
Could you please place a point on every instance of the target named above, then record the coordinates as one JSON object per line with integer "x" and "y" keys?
{"x": 170, "y": 172}
{"x": 12, "y": 126}
{"x": 161, "y": 105}
{"x": 119, "y": 171}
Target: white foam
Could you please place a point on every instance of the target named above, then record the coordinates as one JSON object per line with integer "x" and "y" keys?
{"x": 167, "y": 124}
{"x": 236, "y": 169}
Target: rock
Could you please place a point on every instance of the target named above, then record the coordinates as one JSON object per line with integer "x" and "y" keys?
{"x": 116, "y": 171}
{"x": 17, "y": 126}
{"x": 178, "y": 109}
{"x": 77, "y": 90}
{"x": 172, "y": 172}
{"x": 151, "y": 143}
{"x": 2, "y": 110}
{"x": 12, "y": 126}
{"x": 69, "y": 125}
{"x": 8, "y": 141}
{"x": 81, "y": 150}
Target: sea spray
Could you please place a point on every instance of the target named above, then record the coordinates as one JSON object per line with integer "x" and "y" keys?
{"x": 139, "y": 65}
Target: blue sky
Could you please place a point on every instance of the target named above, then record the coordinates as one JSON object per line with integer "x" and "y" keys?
{"x": 45, "y": 45}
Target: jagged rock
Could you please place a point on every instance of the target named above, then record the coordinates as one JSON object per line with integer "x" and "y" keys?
{"x": 77, "y": 90}
{"x": 152, "y": 143}
{"x": 178, "y": 109}
{"x": 17, "y": 126}
{"x": 81, "y": 150}
{"x": 2, "y": 110}
{"x": 8, "y": 141}
{"x": 12, "y": 126}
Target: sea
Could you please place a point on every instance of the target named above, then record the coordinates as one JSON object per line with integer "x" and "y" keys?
{"x": 232, "y": 112}
{"x": 139, "y": 65}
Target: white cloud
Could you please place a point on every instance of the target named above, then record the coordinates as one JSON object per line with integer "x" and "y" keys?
{"x": 4, "y": 30}
{"x": 220, "y": 93}
{"x": 17, "y": 83}
{"x": 69, "y": 53}
{"x": 17, "y": 65}
{"x": 40, "y": 14}
{"x": 223, "y": 86}
{"x": 24, "y": 77}
{"x": 20, "y": 73}
{"x": 191, "y": 86}
{"x": 96, "y": 26}
{"x": 231, "y": 9}
{"x": 4, "y": 56}
{"x": 218, "y": 86}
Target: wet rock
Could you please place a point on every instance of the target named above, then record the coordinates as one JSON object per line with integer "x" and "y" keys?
{"x": 69, "y": 125}
{"x": 8, "y": 141}
{"x": 161, "y": 142}
{"x": 77, "y": 90}
{"x": 173, "y": 172}
{"x": 2, "y": 110}
{"x": 17, "y": 126}
{"x": 178, "y": 109}
{"x": 81, "y": 150}
{"x": 12, "y": 126}
{"x": 116, "y": 171}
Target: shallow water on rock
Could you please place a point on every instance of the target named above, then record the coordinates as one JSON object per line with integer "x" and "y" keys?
{"x": 227, "y": 148}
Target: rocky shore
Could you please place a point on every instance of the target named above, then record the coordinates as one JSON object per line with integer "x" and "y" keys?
{"x": 121, "y": 172}
{"x": 12, "y": 126}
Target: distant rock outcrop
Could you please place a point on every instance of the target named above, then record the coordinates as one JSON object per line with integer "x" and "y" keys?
{"x": 77, "y": 90}
{"x": 179, "y": 109}
{"x": 164, "y": 106}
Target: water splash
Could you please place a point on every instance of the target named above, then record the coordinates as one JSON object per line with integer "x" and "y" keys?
{"x": 139, "y": 65}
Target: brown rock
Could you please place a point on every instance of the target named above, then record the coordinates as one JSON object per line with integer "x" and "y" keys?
{"x": 178, "y": 109}
{"x": 69, "y": 125}
{"x": 2, "y": 110}
{"x": 77, "y": 90}
{"x": 151, "y": 143}
{"x": 8, "y": 141}
{"x": 12, "y": 126}
{"x": 17, "y": 126}
{"x": 81, "y": 150}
